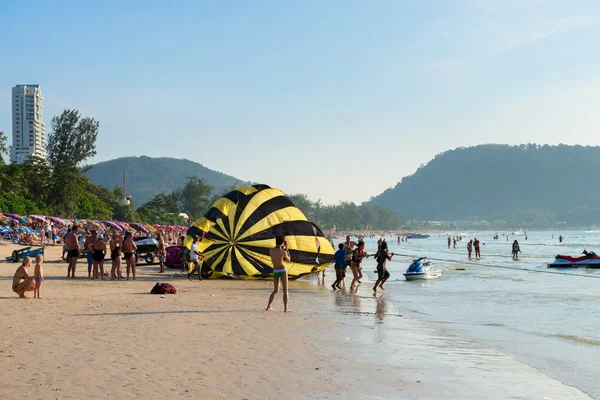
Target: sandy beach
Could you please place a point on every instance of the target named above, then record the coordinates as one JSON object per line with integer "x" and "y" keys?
{"x": 213, "y": 340}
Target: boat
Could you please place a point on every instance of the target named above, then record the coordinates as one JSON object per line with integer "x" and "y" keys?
{"x": 421, "y": 270}
{"x": 589, "y": 259}
{"x": 416, "y": 236}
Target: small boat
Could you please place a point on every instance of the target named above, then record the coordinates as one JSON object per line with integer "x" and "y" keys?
{"x": 416, "y": 236}
{"x": 589, "y": 259}
{"x": 419, "y": 270}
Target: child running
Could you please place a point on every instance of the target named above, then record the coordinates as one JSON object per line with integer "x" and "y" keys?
{"x": 39, "y": 275}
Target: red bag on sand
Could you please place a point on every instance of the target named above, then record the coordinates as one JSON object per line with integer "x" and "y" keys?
{"x": 163, "y": 288}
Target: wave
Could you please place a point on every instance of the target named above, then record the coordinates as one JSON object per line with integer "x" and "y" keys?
{"x": 576, "y": 339}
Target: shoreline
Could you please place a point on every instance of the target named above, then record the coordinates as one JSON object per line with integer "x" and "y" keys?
{"x": 86, "y": 339}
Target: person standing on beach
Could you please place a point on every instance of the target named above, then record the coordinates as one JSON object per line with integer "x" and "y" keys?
{"x": 339, "y": 258}
{"x": 194, "y": 253}
{"x": 53, "y": 232}
{"x": 382, "y": 257}
{"x": 470, "y": 248}
{"x": 42, "y": 237}
{"x": 515, "y": 250}
{"x": 129, "y": 249}
{"x": 476, "y": 246}
{"x": 39, "y": 275}
{"x": 65, "y": 243}
{"x": 161, "y": 251}
{"x": 22, "y": 282}
{"x": 449, "y": 241}
{"x": 72, "y": 245}
{"x": 115, "y": 256}
{"x": 98, "y": 249}
{"x": 279, "y": 255}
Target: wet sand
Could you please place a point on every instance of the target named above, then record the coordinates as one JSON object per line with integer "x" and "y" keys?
{"x": 92, "y": 339}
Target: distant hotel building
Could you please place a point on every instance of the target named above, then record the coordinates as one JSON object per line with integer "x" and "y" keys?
{"x": 29, "y": 130}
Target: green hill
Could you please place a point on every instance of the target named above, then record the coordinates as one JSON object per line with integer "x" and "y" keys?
{"x": 148, "y": 176}
{"x": 526, "y": 184}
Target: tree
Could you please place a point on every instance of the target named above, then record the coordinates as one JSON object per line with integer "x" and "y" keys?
{"x": 73, "y": 139}
{"x": 3, "y": 148}
{"x": 195, "y": 197}
{"x": 37, "y": 178}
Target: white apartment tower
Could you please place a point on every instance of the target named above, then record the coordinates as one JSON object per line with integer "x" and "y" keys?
{"x": 29, "y": 130}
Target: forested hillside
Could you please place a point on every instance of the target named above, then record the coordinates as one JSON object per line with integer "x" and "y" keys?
{"x": 148, "y": 176}
{"x": 526, "y": 183}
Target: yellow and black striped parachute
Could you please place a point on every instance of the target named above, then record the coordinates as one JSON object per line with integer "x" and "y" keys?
{"x": 238, "y": 231}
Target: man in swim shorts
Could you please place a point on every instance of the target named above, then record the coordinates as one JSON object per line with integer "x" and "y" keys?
{"x": 279, "y": 254}
{"x": 161, "y": 251}
{"x": 90, "y": 253}
{"x": 72, "y": 245}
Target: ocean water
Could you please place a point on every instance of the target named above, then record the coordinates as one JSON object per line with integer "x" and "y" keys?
{"x": 551, "y": 320}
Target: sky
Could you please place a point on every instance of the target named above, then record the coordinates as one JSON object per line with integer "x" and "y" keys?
{"x": 335, "y": 99}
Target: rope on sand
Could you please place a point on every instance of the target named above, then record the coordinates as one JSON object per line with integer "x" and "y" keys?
{"x": 476, "y": 264}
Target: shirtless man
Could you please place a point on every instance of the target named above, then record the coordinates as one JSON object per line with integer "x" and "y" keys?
{"x": 98, "y": 249}
{"x": 349, "y": 246}
{"x": 22, "y": 282}
{"x": 72, "y": 245}
{"x": 129, "y": 249}
{"x": 161, "y": 252}
{"x": 90, "y": 252}
{"x": 279, "y": 254}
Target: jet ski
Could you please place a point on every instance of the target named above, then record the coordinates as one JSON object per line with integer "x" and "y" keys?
{"x": 420, "y": 269}
{"x": 146, "y": 244}
{"x": 589, "y": 259}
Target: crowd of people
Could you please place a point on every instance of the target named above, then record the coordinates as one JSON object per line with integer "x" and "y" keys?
{"x": 98, "y": 246}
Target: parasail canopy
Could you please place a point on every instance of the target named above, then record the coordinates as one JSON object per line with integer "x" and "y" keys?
{"x": 238, "y": 231}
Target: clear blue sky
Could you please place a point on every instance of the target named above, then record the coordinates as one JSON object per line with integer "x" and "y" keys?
{"x": 335, "y": 99}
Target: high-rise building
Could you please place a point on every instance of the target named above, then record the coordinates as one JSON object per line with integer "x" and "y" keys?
{"x": 29, "y": 130}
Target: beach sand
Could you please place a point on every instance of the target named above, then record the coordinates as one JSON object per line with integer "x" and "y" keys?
{"x": 213, "y": 340}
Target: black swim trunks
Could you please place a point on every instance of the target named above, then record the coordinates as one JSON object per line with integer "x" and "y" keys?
{"x": 98, "y": 255}
{"x": 72, "y": 253}
{"x": 127, "y": 255}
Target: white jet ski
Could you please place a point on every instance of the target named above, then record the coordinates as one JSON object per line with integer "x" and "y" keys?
{"x": 420, "y": 270}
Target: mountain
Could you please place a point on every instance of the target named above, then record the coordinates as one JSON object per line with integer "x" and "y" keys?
{"x": 148, "y": 176}
{"x": 526, "y": 184}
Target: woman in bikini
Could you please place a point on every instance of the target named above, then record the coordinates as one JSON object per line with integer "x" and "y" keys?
{"x": 129, "y": 249}
{"x": 98, "y": 248}
{"x": 22, "y": 282}
{"x": 115, "y": 256}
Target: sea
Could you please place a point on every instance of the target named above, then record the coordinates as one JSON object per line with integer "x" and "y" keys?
{"x": 547, "y": 318}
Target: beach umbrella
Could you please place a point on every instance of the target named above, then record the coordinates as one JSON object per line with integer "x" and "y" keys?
{"x": 238, "y": 231}
{"x": 138, "y": 227}
{"x": 56, "y": 220}
{"x": 112, "y": 225}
